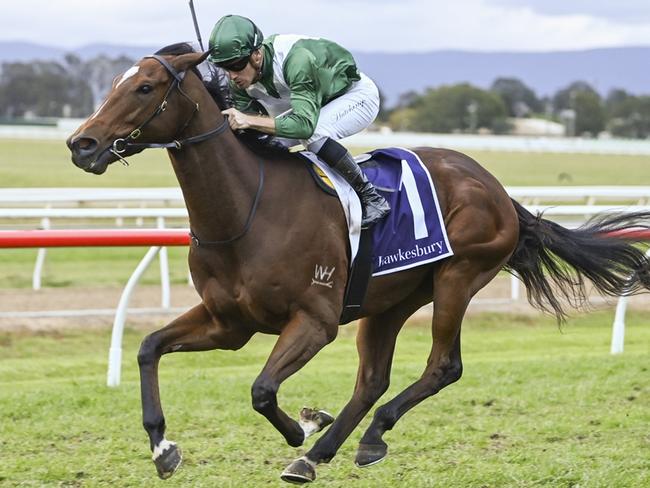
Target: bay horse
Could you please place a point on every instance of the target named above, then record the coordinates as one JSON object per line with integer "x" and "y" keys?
{"x": 260, "y": 226}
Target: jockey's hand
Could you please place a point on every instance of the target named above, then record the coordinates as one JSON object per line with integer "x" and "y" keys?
{"x": 236, "y": 119}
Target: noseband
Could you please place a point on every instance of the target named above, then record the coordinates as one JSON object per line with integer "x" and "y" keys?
{"x": 121, "y": 145}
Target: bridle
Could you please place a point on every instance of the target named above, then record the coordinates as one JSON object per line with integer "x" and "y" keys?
{"x": 121, "y": 145}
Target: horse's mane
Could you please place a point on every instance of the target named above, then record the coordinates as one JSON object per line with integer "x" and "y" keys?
{"x": 215, "y": 81}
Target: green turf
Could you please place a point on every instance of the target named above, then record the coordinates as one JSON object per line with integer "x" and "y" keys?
{"x": 93, "y": 266}
{"x": 536, "y": 407}
{"x": 547, "y": 169}
{"x": 47, "y": 164}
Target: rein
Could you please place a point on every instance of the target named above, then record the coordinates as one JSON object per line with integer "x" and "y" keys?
{"x": 249, "y": 220}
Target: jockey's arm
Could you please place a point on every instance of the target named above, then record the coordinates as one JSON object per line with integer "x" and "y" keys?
{"x": 240, "y": 120}
{"x": 300, "y": 122}
{"x": 244, "y": 115}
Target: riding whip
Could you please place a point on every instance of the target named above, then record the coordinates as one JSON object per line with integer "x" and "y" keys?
{"x": 196, "y": 25}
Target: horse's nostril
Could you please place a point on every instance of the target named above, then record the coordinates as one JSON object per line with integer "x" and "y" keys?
{"x": 84, "y": 145}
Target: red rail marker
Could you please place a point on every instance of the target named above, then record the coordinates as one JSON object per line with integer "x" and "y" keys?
{"x": 93, "y": 238}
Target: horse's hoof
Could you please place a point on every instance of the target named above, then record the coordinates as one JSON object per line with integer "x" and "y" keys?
{"x": 299, "y": 472}
{"x": 369, "y": 454}
{"x": 168, "y": 460}
{"x": 312, "y": 420}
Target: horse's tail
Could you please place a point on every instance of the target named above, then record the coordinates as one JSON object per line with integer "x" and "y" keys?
{"x": 553, "y": 260}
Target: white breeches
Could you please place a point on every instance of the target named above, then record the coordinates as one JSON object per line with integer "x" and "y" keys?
{"x": 348, "y": 114}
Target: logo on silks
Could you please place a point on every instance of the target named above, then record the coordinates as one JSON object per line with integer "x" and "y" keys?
{"x": 413, "y": 234}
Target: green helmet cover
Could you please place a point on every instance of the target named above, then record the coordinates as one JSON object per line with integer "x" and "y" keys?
{"x": 233, "y": 37}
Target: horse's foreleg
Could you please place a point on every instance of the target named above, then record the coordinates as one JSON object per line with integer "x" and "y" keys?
{"x": 195, "y": 330}
{"x": 299, "y": 341}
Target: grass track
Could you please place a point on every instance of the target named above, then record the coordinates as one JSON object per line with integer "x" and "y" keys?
{"x": 47, "y": 164}
{"x": 99, "y": 266}
{"x": 536, "y": 407}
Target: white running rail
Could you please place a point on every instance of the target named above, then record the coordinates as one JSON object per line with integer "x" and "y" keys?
{"x": 38, "y": 207}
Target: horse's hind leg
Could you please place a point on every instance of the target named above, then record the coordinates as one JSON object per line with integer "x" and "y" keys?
{"x": 376, "y": 339}
{"x": 453, "y": 289}
{"x": 195, "y": 330}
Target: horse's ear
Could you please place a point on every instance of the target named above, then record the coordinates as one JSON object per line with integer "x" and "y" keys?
{"x": 187, "y": 61}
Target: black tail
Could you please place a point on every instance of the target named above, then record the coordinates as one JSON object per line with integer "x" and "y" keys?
{"x": 551, "y": 259}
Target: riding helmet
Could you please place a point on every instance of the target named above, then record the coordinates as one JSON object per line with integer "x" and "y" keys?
{"x": 234, "y": 37}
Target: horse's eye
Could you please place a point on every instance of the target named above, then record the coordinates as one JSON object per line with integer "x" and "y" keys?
{"x": 145, "y": 89}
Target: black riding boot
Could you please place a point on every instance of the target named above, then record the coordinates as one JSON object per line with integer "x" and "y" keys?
{"x": 375, "y": 207}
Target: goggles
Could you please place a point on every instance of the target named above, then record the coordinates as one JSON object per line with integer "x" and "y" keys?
{"x": 235, "y": 65}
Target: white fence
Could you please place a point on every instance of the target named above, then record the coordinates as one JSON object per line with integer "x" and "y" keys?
{"x": 14, "y": 197}
{"x": 79, "y": 196}
{"x": 383, "y": 138}
{"x": 500, "y": 143}
{"x": 43, "y": 205}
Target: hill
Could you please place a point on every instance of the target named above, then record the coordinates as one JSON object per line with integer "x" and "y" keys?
{"x": 397, "y": 73}
{"x": 545, "y": 73}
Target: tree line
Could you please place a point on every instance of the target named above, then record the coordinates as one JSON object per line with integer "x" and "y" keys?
{"x": 72, "y": 88}
{"x": 75, "y": 87}
{"x": 467, "y": 109}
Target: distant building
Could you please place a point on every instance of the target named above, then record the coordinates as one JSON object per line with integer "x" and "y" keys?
{"x": 536, "y": 127}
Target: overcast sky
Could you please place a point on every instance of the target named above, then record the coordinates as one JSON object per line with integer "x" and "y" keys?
{"x": 362, "y": 25}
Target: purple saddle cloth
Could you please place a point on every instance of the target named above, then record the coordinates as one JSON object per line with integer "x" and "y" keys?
{"x": 413, "y": 234}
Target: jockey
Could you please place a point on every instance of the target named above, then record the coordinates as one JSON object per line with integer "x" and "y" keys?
{"x": 308, "y": 89}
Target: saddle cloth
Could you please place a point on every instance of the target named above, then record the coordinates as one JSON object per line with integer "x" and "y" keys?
{"x": 413, "y": 234}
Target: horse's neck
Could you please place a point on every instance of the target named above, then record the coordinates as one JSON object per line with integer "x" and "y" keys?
{"x": 218, "y": 177}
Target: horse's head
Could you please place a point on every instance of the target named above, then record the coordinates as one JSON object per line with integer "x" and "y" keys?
{"x": 147, "y": 104}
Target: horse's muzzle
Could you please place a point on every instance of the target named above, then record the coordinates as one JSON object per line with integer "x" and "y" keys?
{"x": 87, "y": 155}
{"x": 82, "y": 146}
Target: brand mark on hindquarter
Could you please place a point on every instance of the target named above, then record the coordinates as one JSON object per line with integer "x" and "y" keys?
{"x": 323, "y": 276}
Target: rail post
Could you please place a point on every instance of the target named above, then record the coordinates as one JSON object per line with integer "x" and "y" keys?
{"x": 618, "y": 327}
{"x": 164, "y": 270}
{"x": 115, "y": 351}
{"x": 40, "y": 259}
